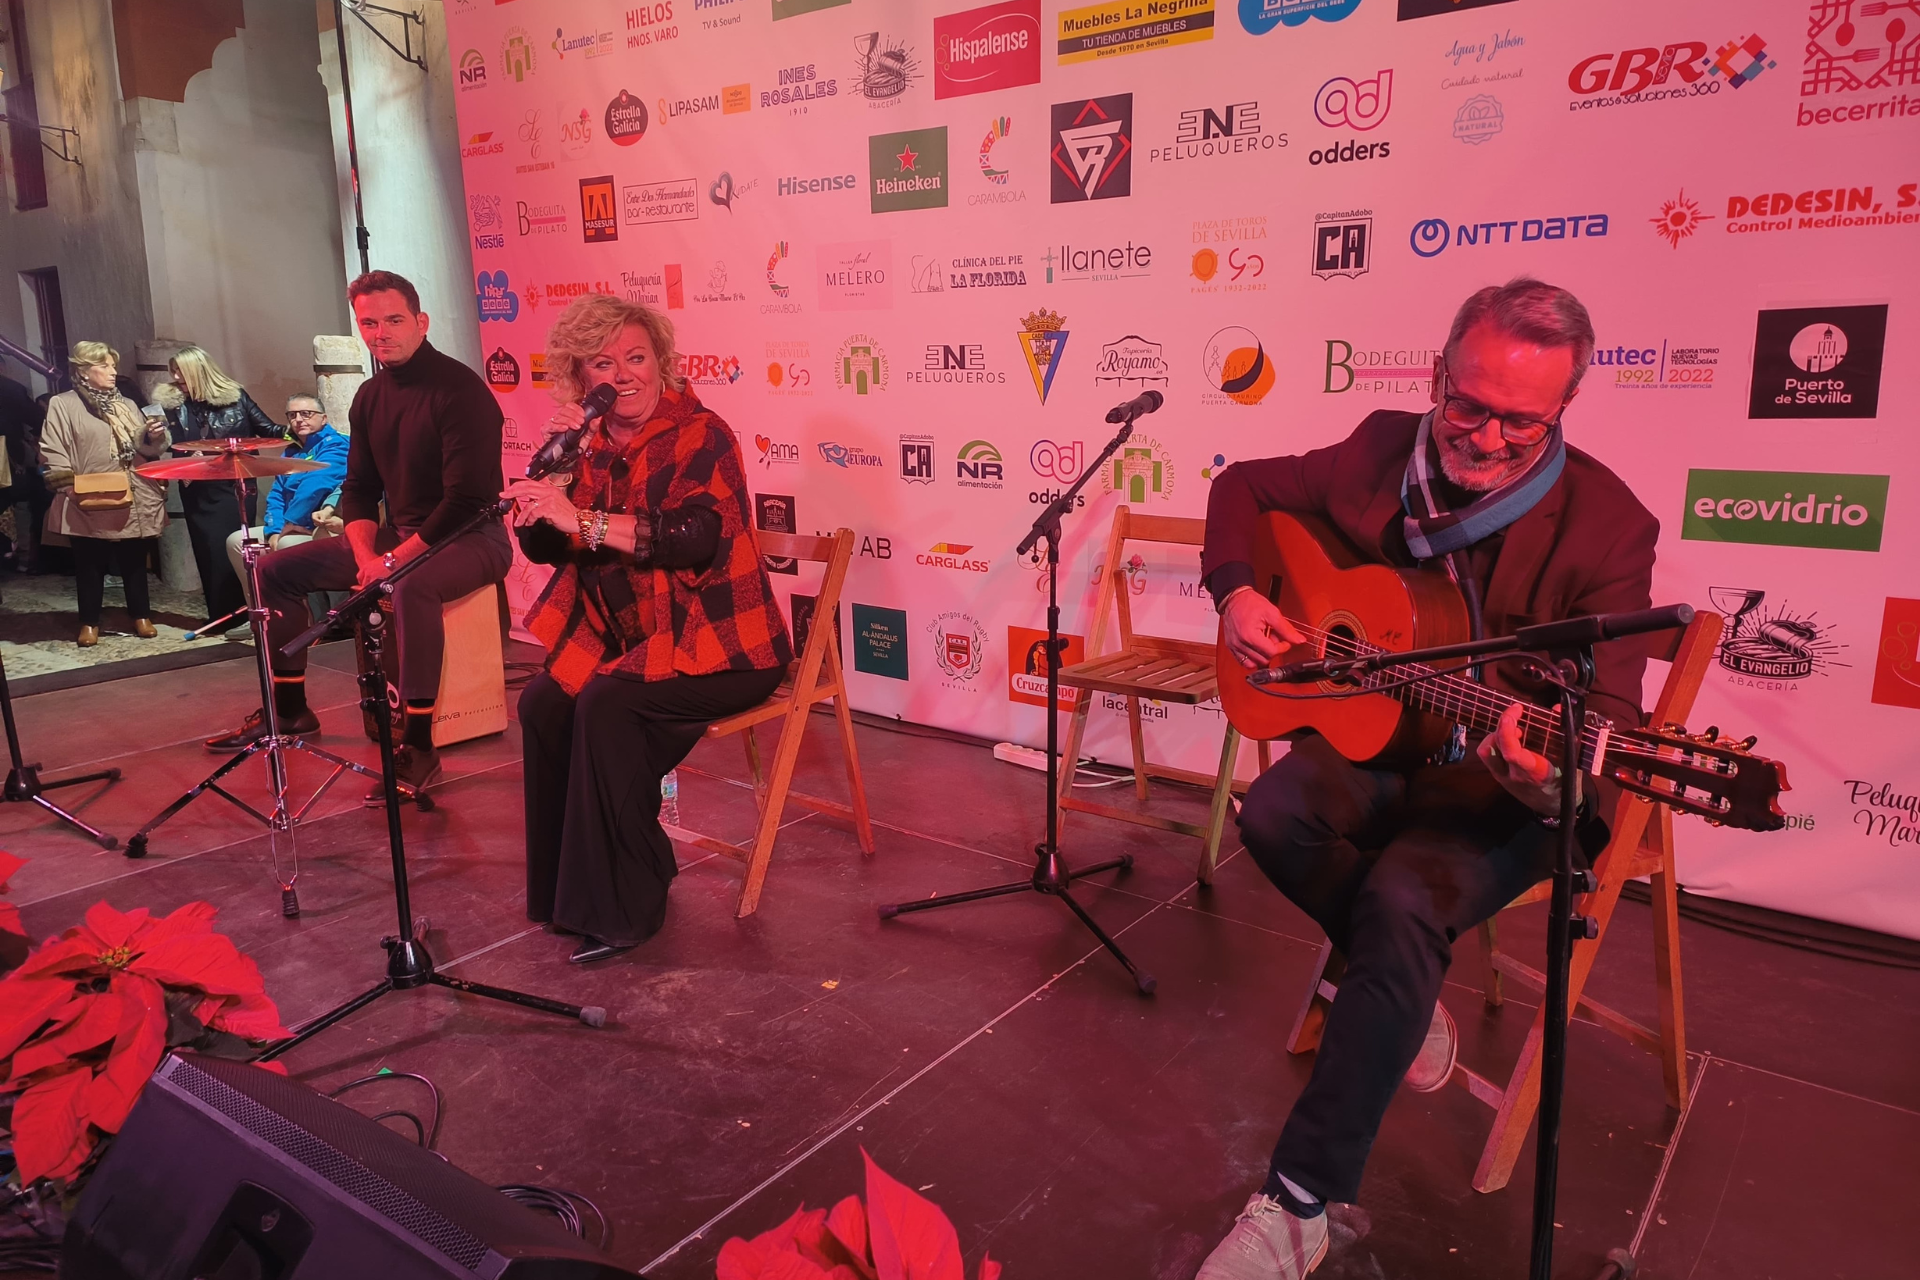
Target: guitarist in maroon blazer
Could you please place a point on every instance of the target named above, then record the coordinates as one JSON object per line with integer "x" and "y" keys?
{"x": 1396, "y": 865}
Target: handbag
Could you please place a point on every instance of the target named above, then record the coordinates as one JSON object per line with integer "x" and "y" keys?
{"x": 102, "y": 490}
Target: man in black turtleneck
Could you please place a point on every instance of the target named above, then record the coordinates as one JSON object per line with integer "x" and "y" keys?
{"x": 426, "y": 440}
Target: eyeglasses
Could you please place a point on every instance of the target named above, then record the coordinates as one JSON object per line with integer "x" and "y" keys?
{"x": 1471, "y": 415}
{"x": 304, "y": 413}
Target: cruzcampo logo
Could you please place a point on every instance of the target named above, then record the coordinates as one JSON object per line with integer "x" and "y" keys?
{"x": 908, "y": 170}
{"x": 1786, "y": 509}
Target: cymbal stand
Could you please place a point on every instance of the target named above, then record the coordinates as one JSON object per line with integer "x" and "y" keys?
{"x": 282, "y": 844}
{"x": 24, "y": 782}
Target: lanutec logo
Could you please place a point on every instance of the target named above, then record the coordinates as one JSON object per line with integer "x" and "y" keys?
{"x": 1786, "y": 509}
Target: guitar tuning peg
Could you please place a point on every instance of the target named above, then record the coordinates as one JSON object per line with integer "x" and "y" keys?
{"x": 1711, "y": 732}
{"x": 1748, "y": 744}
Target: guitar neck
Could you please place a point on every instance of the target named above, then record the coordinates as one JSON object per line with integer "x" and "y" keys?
{"x": 1479, "y": 708}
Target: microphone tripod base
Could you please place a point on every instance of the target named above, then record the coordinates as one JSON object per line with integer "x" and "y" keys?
{"x": 1054, "y": 878}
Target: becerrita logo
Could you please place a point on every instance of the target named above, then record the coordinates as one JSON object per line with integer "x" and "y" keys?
{"x": 1431, "y": 237}
{"x": 1786, "y": 509}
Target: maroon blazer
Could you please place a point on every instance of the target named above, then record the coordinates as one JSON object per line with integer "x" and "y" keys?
{"x": 1586, "y": 547}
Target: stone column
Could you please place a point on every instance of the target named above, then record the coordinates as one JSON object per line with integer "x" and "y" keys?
{"x": 339, "y": 367}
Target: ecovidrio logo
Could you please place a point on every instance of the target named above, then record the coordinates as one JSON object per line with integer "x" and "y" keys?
{"x": 1786, "y": 509}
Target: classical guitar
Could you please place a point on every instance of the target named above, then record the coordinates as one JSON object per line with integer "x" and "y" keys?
{"x": 1346, "y": 607}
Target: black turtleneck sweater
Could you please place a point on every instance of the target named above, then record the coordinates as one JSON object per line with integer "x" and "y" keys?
{"x": 426, "y": 437}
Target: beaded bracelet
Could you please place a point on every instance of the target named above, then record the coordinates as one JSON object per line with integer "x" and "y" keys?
{"x": 599, "y": 531}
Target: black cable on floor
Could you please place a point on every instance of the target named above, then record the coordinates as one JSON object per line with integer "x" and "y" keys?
{"x": 429, "y": 1134}
{"x": 1802, "y": 933}
{"x": 561, "y": 1204}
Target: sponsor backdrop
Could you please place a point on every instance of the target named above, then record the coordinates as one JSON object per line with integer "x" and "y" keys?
{"x": 915, "y": 251}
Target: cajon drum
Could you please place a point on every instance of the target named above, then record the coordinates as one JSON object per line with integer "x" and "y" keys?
{"x": 472, "y": 702}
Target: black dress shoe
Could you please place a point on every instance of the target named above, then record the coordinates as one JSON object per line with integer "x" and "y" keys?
{"x": 591, "y": 949}
{"x": 415, "y": 770}
{"x": 254, "y": 728}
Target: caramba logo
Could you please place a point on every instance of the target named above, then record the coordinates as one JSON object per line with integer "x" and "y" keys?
{"x": 1786, "y": 509}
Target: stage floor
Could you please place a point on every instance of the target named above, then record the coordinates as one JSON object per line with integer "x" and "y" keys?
{"x": 989, "y": 1054}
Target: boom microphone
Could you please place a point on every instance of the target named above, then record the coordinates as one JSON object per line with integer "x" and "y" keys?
{"x": 1144, "y": 403}
{"x": 563, "y": 445}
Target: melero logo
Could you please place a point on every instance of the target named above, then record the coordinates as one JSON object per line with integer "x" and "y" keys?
{"x": 908, "y": 170}
{"x": 1132, "y": 26}
{"x": 1641, "y": 75}
{"x": 798, "y": 85}
{"x": 626, "y": 119}
{"x": 1786, "y": 509}
{"x": 980, "y": 50}
{"x": 1232, "y": 130}
{"x": 856, "y": 275}
{"x": 1818, "y": 362}
{"x": 1092, "y": 154}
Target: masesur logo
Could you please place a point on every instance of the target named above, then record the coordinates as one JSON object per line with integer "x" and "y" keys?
{"x": 1092, "y": 150}
{"x": 1786, "y": 509}
{"x": 980, "y": 50}
{"x": 599, "y": 218}
{"x": 1632, "y": 76}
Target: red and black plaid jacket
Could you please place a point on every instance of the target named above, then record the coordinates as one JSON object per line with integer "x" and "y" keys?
{"x": 603, "y": 613}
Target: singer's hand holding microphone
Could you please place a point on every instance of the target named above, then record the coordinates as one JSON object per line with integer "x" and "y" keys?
{"x": 536, "y": 499}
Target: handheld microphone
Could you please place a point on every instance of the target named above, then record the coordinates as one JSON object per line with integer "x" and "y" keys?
{"x": 1141, "y": 405}
{"x": 563, "y": 445}
{"x": 1291, "y": 673}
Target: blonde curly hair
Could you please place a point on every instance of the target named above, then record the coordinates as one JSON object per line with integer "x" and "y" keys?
{"x": 85, "y": 354}
{"x": 587, "y": 325}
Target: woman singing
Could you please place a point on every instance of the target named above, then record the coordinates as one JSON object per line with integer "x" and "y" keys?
{"x": 660, "y": 620}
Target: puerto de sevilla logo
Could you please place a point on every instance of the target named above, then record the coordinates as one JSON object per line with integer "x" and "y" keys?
{"x": 1043, "y": 341}
{"x": 1818, "y": 362}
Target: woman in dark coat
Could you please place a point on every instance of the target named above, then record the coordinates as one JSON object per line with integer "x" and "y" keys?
{"x": 216, "y": 408}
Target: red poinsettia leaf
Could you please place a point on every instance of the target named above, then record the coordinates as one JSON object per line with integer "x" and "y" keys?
{"x": 114, "y": 928}
{"x": 189, "y": 921}
{"x": 989, "y": 1269}
{"x": 10, "y": 917}
{"x": 9, "y": 863}
{"x": 25, "y": 1007}
{"x": 89, "y": 1022}
{"x": 792, "y": 1266}
{"x": 208, "y": 961}
{"x": 75, "y": 951}
{"x": 911, "y": 1238}
{"x": 252, "y": 1017}
{"x": 50, "y": 1135}
{"x": 747, "y": 1259}
{"x": 137, "y": 1046}
{"x": 848, "y": 1223}
{"x": 278, "y": 1067}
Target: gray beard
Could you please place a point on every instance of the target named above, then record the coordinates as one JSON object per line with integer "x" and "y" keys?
{"x": 1482, "y": 474}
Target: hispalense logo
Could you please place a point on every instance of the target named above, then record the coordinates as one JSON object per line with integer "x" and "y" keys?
{"x": 1236, "y": 364}
{"x": 1818, "y": 362}
{"x": 860, "y": 366}
{"x": 1771, "y": 649}
{"x": 1092, "y": 153}
{"x": 979, "y": 466}
{"x": 978, "y": 50}
{"x": 1785, "y": 509}
{"x": 1431, "y": 236}
{"x": 908, "y": 170}
{"x": 1043, "y": 340}
{"x": 959, "y": 646}
{"x": 1896, "y": 663}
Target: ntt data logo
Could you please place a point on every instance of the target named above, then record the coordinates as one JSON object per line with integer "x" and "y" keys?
{"x": 1431, "y": 237}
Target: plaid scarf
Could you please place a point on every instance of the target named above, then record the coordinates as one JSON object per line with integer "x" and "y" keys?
{"x": 1433, "y": 531}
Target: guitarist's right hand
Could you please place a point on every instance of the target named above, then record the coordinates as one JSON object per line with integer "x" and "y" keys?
{"x": 1254, "y": 630}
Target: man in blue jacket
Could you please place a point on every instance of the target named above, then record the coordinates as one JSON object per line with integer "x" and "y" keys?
{"x": 298, "y": 494}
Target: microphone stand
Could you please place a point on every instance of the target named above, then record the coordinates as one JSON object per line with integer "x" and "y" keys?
{"x": 1571, "y": 672}
{"x": 1051, "y": 873}
{"x": 408, "y": 963}
{"x": 24, "y": 782}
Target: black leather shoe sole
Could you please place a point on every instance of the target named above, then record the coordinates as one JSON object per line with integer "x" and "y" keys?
{"x": 304, "y": 725}
{"x": 590, "y": 950}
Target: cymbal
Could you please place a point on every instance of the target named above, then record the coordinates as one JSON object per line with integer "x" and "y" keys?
{"x": 229, "y": 445}
{"x": 224, "y": 466}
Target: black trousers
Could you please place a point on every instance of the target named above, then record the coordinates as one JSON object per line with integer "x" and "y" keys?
{"x": 469, "y": 563}
{"x": 1394, "y": 867}
{"x": 212, "y": 513}
{"x": 598, "y": 862}
{"x": 94, "y": 558}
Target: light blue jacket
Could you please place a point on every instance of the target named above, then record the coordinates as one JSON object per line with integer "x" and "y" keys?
{"x": 298, "y": 494}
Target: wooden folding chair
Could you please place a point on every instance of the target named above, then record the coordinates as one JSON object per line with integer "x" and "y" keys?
{"x": 1642, "y": 844}
{"x": 815, "y": 677}
{"x": 1155, "y": 667}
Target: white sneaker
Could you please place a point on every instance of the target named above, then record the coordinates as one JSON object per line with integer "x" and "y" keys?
{"x": 1267, "y": 1243}
{"x": 1434, "y": 1065}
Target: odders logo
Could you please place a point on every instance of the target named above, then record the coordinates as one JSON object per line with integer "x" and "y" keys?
{"x": 1772, "y": 649}
{"x": 1092, "y": 151}
{"x": 907, "y": 170}
{"x": 599, "y": 221}
{"x": 980, "y": 50}
{"x": 1786, "y": 509}
{"x": 1818, "y": 362}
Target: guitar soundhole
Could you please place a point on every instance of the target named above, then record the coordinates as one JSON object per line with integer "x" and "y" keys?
{"x": 1342, "y": 642}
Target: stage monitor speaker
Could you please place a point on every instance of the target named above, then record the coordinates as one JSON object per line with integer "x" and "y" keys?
{"x": 225, "y": 1171}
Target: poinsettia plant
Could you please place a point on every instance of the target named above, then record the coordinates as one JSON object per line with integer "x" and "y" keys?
{"x": 897, "y": 1234}
{"x": 86, "y": 1017}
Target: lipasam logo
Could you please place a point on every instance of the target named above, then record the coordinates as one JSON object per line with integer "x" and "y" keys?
{"x": 884, "y": 68}
{"x": 1131, "y": 26}
{"x": 1629, "y": 77}
{"x": 1142, "y": 469}
{"x": 907, "y": 170}
{"x": 981, "y": 50}
{"x": 1215, "y": 133}
{"x": 1771, "y": 648}
{"x": 1818, "y": 362}
{"x": 1662, "y": 368}
{"x": 979, "y": 466}
{"x": 1043, "y": 341}
{"x": 1786, "y": 509}
{"x": 860, "y": 365}
{"x": 1237, "y": 367}
{"x": 1092, "y": 151}
{"x": 599, "y": 222}
{"x": 1431, "y": 237}
{"x": 959, "y": 648}
{"x": 1342, "y": 243}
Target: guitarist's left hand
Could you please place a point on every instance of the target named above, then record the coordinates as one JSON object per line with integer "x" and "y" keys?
{"x": 1528, "y": 775}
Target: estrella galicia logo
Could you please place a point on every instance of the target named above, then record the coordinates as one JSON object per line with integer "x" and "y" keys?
{"x": 497, "y": 301}
{"x": 503, "y": 371}
{"x": 1431, "y": 237}
{"x": 1093, "y": 149}
{"x": 1262, "y": 16}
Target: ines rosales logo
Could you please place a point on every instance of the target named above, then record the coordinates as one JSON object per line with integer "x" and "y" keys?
{"x": 798, "y": 84}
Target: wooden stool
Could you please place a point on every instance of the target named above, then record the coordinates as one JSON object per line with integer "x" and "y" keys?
{"x": 1642, "y": 844}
